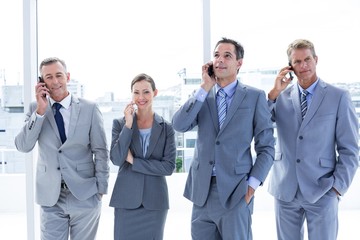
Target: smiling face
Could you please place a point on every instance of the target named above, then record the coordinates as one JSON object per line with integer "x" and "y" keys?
{"x": 143, "y": 95}
{"x": 56, "y": 79}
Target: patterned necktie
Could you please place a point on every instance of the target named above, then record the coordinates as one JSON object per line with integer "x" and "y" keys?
{"x": 60, "y": 122}
{"x": 303, "y": 103}
{"x": 222, "y": 106}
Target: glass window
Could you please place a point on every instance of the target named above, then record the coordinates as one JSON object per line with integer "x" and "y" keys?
{"x": 11, "y": 92}
{"x": 106, "y": 43}
{"x": 190, "y": 143}
{"x": 12, "y": 163}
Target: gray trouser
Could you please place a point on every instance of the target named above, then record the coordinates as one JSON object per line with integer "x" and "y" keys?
{"x": 321, "y": 218}
{"x": 213, "y": 222}
{"x": 71, "y": 217}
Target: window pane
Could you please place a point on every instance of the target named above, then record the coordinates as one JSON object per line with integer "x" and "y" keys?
{"x": 11, "y": 95}
{"x": 12, "y": 164}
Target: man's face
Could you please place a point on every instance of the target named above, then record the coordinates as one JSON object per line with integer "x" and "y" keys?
{"x": 225, "y": 63}
{"x": 56, "y": 80}
{"x": 304, "y": 65}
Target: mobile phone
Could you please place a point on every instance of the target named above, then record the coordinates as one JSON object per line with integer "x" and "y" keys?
{"x": 41, "y": 80}
{"x": 211, "y": 70}
{"x": 290, "y": 74}
{"x": 135, "y": 107}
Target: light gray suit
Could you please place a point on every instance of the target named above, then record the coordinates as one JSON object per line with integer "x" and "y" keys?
{"x": 143, "y": 183}
{"x": 82, "y": 161}
{"x": 247, "y": 119}
{"x": 315, "y": 154}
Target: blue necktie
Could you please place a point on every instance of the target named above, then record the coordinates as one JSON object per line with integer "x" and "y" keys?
{"x": 303, "y": 103}
{"x": 222, "y": 106}
{"x": 60, "y": 122}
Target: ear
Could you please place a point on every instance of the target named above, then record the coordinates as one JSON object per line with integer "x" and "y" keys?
{"x": 316, "y": 59}
{"x": 155, "y": 92}
{"x": 239, "y": 63}
{"x": 67, "y": 77}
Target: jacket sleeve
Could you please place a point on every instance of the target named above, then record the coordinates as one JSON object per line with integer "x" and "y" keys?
{"x": 26, "y": 139}
{"x": 100, "y": 151}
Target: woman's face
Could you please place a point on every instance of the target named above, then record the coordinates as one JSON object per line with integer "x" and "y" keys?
{"x": 142, "y": 94}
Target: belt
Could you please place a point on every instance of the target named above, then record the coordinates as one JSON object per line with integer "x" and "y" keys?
{"x": 64, "y": 186}
{"x": 213, "y": 179}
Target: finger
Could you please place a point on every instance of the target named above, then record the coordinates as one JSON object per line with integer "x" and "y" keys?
{"x": 286, "y": 80}
{"x": 40, "y": 92}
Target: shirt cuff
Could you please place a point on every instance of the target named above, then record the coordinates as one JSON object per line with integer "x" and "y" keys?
{"x": 200, "y": 95}
{"x": 38, "y": 115}
{"x": 253, "y": 182}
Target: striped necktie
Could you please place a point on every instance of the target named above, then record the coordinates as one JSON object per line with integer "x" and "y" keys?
{"x": 222, "y": 106}
{"x": 303, "y": 103}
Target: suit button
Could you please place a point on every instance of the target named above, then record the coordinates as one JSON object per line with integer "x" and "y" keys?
{"x": 60, "y": 151}
{"x": 58, "y": 168}
{"x": 298, "y": 160}
{"x": 301, "y": 137}
{"x": 211, "y": 162}
{"x": 217, "y": 143}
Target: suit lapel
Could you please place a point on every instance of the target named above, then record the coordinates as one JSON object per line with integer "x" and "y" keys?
{"x": 74, "y": 116}
{"x": 136, "y": 139}
{"x": 50, "y": 116}
{"x": 239, "y": 96}
{"x": 155, "y": 134}
{"x": 295, "y": 98}
{"x": 211, "y": 102}
{"x": 319, "y": 94}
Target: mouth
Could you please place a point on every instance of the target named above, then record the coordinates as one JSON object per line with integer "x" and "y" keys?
{"x": 56, "y": 88}
{"x": 305, "y": 71}
{"x": 141, "y": 103}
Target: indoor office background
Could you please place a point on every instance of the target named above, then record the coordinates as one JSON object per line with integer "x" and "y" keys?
{"x": 106, "y": 43}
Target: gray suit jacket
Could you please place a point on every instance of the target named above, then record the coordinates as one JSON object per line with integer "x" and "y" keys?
{"x": 144, "y": 181}
{"x": 319, "y": 152}
{"x": 247, "y": 119}
{"x": 82, "y": 160}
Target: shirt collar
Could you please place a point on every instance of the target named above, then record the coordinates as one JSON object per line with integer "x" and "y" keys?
{"x": 310, "y": 89}
{"x": 65, "y": 102}
{"x": 229, "y": 89}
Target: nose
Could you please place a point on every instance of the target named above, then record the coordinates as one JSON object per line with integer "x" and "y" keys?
{"x": 55, "y": 80}
{"x": 304, "y": 64}
{"x": 141, "y": 96}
